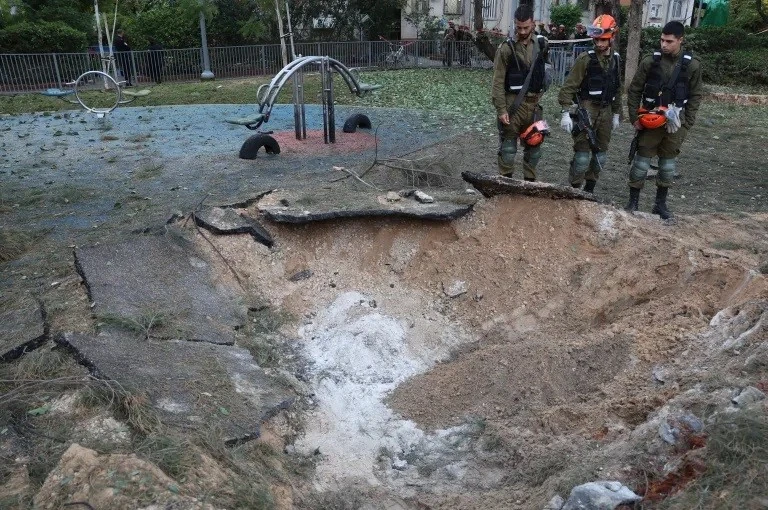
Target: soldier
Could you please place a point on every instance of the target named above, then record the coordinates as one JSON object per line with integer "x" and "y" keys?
{"x": 595, "y": 80}
{"x": 519, "y": 79}
{"x": 662, "y": 102}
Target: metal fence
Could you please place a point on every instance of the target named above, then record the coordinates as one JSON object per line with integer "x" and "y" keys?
{"x": 36, "y": 72}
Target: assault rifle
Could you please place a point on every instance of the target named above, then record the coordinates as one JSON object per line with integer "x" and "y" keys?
{"x": 584, "y": 123}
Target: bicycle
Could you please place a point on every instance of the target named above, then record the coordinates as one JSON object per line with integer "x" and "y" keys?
{"x": 397, "y": 56}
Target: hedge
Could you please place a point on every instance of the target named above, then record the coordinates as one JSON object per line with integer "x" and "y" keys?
{"x": 42, "y": 37}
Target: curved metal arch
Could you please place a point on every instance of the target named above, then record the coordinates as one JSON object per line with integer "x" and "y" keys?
{"x": 267, "y": 99}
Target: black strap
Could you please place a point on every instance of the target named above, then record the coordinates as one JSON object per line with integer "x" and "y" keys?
{"x": 676, "y": 71}
{"x": 524, "y": 89}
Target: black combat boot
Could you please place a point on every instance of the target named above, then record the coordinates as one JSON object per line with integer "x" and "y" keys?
{"x": 634, "y": 199}
{"x": 660, "y": 207}
{"x": 589, "y": 186}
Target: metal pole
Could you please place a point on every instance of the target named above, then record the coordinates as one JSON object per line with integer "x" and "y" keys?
{"x": 323, "y": 79}
{"x": 331, "y": 107}
{"x": 56, "y": 69}
{"x": 206, "y": 74}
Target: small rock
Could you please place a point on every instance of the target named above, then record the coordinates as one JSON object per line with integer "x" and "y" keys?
{"x": 392, "y": 196}
{"x": 423, "y": 197}
{"x": 600, "y": 496}
{"x": 556, "y": 503}
{"x": 659, "y": 374}
{"x": 400, "y": 464}
{"x": 455, "y": 289}
{"x": 747, "y": 396}
{"x": 668, "y": 433}
{"x": 301, "y": 275}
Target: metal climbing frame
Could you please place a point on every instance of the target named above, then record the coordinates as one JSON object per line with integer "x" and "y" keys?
{"x": 267, "y": 94}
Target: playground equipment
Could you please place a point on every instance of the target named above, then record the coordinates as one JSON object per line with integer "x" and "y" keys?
{"x": 98, "y": 92}
{"x": 266, "y": 95}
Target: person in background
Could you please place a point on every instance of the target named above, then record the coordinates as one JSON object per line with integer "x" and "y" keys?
{"x": 123, "y": 56}
{"x": 156, "y": 60}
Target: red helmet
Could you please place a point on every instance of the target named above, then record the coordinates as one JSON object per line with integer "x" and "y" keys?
{"x": 604, "y": 27}
{"x": 652, "y": 119}
{"x": 535, "y": 133}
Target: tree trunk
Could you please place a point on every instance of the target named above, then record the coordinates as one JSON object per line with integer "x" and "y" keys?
{"x": 761, "y": 11}
{"x": 482, "y": 41}
{"x": 634, "y": 34}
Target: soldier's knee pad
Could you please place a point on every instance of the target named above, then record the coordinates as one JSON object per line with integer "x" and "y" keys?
{"x": 532, "y": 155}
{"x": 507, "y": 151}
{"x": 580, "y": 163}
{"x": 639, "y": 170}
{"x": 666, "y": 170}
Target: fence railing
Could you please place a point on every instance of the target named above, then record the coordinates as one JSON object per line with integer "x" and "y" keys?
{"x": 36, "y": 72}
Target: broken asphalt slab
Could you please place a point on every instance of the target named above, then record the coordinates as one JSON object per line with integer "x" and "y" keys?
{"x": 225, "y": 221}
{"x": 299, "y": 206}
{"x": 22, "y": 327}
{"x": 161, "y": 287}
{"x": 491, "y": 185}
{"x": 190, "y": 384}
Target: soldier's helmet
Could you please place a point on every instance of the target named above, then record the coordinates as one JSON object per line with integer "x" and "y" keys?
{"x": 604, "y": 27}
{"x": 652, "y": 119}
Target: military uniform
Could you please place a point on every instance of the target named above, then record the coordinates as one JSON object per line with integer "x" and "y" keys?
{"x": 658, "y": 142}
{"x": 599, "y": 92}
{"x": 503, "y": 100}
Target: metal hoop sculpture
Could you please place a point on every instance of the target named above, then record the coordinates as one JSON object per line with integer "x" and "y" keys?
{"x": 109, "y": 83}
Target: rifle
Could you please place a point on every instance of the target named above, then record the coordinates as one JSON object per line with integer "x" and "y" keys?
{"x": 584, "y": 123}
{"x": 633, "y": 147}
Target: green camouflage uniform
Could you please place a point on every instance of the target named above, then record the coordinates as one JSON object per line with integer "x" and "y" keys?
{"x": 583, "y": 165}
{"x": 658, "y": 142}
{"x": 522, "y": 117}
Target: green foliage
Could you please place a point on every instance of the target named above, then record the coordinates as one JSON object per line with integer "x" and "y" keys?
{"x": 42, "y": 37}
{"x": 566, "y": 14}
{"x": 743, "y": 14}
{"x": 166, "y": 24}
{"x": 738, "y": 67}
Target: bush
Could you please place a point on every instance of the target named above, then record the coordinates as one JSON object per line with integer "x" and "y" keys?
{"x": 566, "y": 14}
{"x": 42, "y": 37}
{"x": 746, "y": 67}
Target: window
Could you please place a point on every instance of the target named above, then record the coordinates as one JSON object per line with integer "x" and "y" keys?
{"x": 453, "y": 7}
{"x": 420, "y": 6}
{"x": 492, "y": 9}
{"x": 677, "y": 9}
{"x": 654, "y": 11}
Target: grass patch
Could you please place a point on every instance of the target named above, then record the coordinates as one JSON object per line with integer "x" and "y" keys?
{"x": 725, "y": 244}
{"x": 736, "y": 456}
{"x": 13, "y": 244}
{"x": 145, "y": 324}
{"x": 149, "y": 172}
{"x": 143, "y": 137}
{"x": 132, "y": 407}
{"x": 169, "y": 453}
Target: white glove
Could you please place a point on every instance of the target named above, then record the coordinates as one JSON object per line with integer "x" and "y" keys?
{"x": 566, "y": 123}
{"x": 615, "y": 122}
{"x": 673, "y": 119}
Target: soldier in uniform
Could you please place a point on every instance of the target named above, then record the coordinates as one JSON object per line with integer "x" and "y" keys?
{"x": 662, "y": 103}
{"x": 595, "y": 80}
{"x": 522, "y": 54}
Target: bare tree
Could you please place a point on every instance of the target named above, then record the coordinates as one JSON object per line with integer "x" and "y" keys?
{"x": 482, "y": 41}
{"x": 634, "y": 33}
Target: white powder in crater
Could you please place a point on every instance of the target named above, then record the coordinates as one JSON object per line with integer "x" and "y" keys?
{"x": 359, "y": 356}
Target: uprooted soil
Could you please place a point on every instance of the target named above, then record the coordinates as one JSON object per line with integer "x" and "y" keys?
{"x": 545, "y": 354}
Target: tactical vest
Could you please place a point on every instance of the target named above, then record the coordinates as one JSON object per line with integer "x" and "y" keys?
{"x": 600, "y": 85}
{"x": 517, "y": 70}
{"x": 656, "y": 93}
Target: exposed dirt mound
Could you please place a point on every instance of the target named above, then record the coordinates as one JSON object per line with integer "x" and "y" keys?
{"x": 533, "y": 327}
